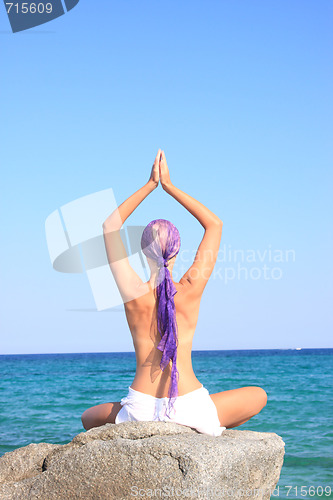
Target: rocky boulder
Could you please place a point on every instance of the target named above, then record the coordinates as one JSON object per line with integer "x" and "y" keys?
{"x": 145, "y": 460}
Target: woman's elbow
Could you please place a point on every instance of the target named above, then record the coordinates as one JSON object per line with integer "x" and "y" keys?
{"x": 110, "y": 225}
{"x": 218, "y": 222}
{"x": 215, "y": 224}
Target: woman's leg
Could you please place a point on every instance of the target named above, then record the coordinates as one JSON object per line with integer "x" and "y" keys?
{"x": 237, "y": 406}
{"x": 100, "y": 415}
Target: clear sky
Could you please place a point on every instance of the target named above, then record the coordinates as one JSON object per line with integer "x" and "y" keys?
{"x": 239, "y": 96}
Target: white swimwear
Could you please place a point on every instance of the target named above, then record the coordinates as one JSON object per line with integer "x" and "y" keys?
{"x": 195, "y": 409}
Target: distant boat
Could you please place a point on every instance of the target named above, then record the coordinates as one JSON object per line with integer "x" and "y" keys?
{"x": 298, "y": 348}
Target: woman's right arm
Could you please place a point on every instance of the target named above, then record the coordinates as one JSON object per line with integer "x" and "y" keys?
{"x": 199, "y": 273}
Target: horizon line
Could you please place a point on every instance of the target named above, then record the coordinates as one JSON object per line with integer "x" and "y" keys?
{"x": 193, "y": 350}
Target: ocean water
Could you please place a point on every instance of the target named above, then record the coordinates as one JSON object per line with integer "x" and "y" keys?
{"x": 42, "y": 398}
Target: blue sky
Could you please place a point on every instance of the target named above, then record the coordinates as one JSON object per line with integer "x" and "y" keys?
{"x": 239, "y": 96}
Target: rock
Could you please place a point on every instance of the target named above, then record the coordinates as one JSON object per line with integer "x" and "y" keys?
{"x": 145, "y": 460}
{"x": 24, "y": 462}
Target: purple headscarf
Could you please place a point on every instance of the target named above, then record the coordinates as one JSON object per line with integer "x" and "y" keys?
{"x": 160, "y": 242}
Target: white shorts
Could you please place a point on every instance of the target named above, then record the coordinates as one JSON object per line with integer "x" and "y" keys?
{"x": 195, "y": 409}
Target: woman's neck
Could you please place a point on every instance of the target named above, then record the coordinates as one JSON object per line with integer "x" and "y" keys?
{"x": 153, "y": 277}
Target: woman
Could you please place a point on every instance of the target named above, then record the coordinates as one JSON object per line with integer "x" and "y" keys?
{"x": 162, "y": 316}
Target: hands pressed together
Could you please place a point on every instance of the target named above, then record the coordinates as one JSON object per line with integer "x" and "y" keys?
{"x": 160, "y": 171}
{"x": 160, "y": 174}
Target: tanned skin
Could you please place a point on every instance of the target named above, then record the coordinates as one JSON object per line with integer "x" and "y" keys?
{"x": 235, "y": 406}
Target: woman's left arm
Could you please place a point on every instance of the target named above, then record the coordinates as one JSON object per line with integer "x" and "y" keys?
{"x": 126, "y": 278}
{"x": 118, "y": 216}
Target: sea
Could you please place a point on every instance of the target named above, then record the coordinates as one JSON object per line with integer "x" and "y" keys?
{"x": 42, "y": 398}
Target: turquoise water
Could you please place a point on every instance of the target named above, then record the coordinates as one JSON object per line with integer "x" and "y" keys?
{"x": 43, "y": 396}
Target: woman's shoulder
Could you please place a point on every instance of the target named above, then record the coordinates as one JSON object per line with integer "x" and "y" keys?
{"x": 187, "y": 290}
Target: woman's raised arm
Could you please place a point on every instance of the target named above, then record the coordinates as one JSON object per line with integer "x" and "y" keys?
{"x": 120, "y": 214}
{"x": 127, "y": 280}
{"x": 205, "y": 216}
{"x": 199, "y": 272}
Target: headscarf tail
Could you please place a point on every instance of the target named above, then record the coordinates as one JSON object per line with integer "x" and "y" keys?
{"x": 168, "y": 329}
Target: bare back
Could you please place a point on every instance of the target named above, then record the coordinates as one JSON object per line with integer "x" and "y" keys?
{"x": 139, "y": 297}
{"x": 235, "y": 406}
{"x": 142, "y": 321}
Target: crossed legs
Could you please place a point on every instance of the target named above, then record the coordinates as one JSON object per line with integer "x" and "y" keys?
{"x": 237, "y": 406}
{"x": 234, "y": 407}
{"x": 99, "y": 415}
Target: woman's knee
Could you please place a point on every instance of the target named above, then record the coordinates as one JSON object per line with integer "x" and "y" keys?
{"x": 261, "y": 396}
{"x": 100, "y": 414}
{"x": 86, "y": 419}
